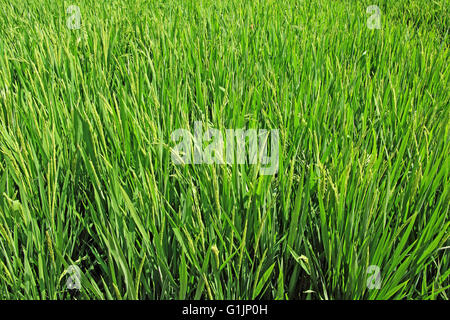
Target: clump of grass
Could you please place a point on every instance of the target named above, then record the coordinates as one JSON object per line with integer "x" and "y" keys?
{"x": 86, "y": 176}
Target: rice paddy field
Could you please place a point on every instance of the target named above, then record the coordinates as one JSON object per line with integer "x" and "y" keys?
{"x": 93, "y": 206}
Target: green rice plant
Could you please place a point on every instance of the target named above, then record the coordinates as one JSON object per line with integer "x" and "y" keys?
{"x": 357, "y": 210}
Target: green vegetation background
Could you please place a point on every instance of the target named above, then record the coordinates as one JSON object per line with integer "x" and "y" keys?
{"x": 86, "y": 176}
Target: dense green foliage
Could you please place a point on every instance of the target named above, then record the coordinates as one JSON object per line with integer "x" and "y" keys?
{"x": 86, "y": 176}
